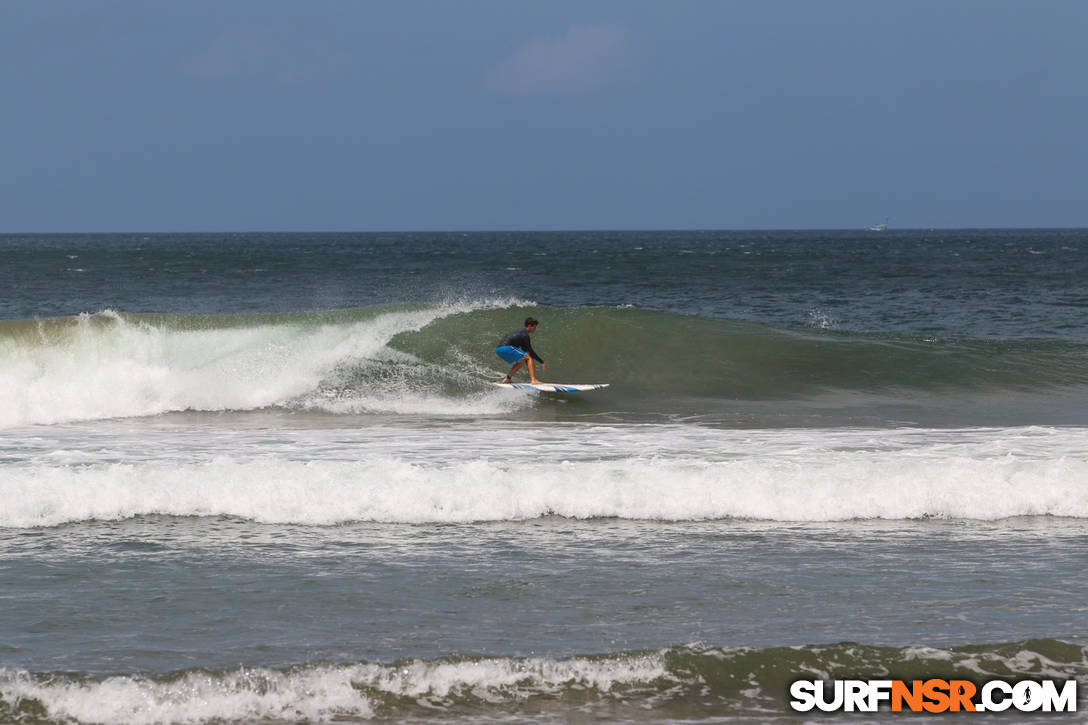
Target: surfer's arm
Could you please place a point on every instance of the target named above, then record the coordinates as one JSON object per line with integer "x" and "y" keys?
{"x": 532, "y": 353}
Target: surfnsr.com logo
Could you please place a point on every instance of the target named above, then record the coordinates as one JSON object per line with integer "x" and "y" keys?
{"x": 933, "y": 696}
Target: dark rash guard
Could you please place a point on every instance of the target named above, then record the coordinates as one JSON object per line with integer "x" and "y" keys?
{"x": 520, "y": 338}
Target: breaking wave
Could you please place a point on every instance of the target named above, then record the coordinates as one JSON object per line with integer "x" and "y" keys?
{"x": 682, "y": 683}
{"x": 776, "y": 476}
{"x": 436, "y": 359}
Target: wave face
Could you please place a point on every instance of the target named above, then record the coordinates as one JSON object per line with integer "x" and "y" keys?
{"x": 436, "y": 359}
{"x": 658, "y": 353}
{"x": 676, "y": 683}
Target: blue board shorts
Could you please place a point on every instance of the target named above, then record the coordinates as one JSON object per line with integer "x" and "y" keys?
{"x": 509, "y": 353}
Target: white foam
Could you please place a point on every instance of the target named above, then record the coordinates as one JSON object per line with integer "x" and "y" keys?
{"x": 105, "y": 366}
{"x": 317, "y": 693}
{"x": 417, "y": 477}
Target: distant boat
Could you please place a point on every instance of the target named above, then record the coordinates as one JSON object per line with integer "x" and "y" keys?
{"x": 879, "y": 227}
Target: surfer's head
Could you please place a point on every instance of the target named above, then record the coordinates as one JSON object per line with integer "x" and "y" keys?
{"x": 531, "y": 323}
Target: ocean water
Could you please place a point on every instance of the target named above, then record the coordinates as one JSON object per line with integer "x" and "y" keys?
{"x": 263, "y": 478}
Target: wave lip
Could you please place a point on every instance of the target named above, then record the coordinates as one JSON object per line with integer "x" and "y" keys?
{"x": 683, "y": 682}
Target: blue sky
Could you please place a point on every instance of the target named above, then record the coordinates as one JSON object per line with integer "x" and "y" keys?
{"x": 246, "y": 115}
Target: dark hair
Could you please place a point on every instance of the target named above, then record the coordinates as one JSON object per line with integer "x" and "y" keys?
{"x": 530, "y": 321}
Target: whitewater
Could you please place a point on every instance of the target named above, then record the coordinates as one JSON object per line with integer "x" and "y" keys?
{"x": 103, "y": 365}
{"x": 581, "y": 471}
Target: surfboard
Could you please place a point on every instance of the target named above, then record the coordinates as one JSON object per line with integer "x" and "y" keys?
{"x": 553, "y": 387}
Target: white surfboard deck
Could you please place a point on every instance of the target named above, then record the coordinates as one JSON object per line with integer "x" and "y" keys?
{"x": 553, "y": 387}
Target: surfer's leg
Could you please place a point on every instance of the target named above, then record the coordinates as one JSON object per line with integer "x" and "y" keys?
{"x": 517, "y": 366}
{"x": 532, "y": 370}
{"x": 511, "y": 355}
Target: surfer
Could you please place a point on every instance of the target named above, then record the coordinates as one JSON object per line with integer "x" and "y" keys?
{"x": 516, "y": 349}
